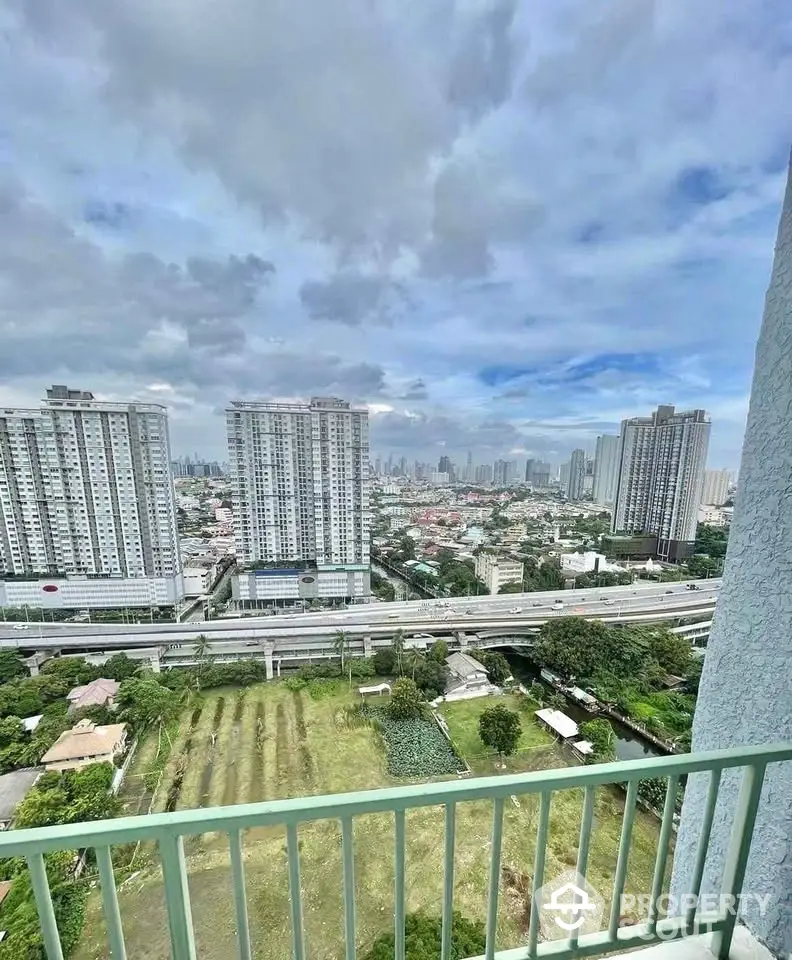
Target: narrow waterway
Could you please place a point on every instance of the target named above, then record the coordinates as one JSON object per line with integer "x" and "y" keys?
{"x": 628, "y": 745}
{"x": 400, "y": 586}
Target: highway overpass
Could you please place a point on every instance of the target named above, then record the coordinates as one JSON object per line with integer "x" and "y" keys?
{"x": 310, "y": 636}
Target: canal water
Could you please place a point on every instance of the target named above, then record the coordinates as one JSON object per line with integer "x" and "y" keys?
{"x": 628, "y": 745}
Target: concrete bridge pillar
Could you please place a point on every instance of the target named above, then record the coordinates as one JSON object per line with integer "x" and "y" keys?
{"x": 35, "y": 662}
{"x": 155, "y": 662}
{"x": 463, "y": 639}
{"x": 269, "y": 646}
{"x": 367, "y": 647}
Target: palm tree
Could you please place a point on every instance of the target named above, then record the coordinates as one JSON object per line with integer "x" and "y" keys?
{"x": 398, "y": 648}
{"x": 414, "y": 657}
{"x": 340, "y": 643}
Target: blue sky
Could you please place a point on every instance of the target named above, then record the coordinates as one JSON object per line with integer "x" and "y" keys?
{"x": 502, "y": 225}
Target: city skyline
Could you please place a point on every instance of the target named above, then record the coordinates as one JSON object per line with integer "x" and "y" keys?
{"x": 445, "y": 261}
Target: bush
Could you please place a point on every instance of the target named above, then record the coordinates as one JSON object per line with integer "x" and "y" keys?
{"x": 384, "y": 662}
{"x": 422, "y": 939}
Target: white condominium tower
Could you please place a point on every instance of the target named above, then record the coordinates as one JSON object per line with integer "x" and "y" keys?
{"x": 716, "y": 487}
{"x": 661, "y": 473}
{"x": 301, "y": 498}
{"x": 87, "y": 506}
{"x": 606, "y": 469}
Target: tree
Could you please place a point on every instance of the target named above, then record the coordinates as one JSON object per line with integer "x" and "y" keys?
{"x": 384, "y": 661}
{"x": 10, "y": 666}
{"x": 500, "y": 729}
{"x": 146, "y": 703}
{"x": 430, "y": 678}
{"x": 512, "y": 586}
{"x": 672, "y": 652}
{"x": 398, "y": 649}
{"x": 406, "y": 701}
{"x": 119, "y": 667}
{"x": 496, "y": 665}
{"x": 341, "y": 644}
{"x": 600, "y": 734}
{"x": 438, "y": 651}
{"x": 423, "y": 938}
{"x": 412, "y": 658}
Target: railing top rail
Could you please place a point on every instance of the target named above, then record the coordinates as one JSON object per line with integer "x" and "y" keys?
{"x": 336, "y": 806}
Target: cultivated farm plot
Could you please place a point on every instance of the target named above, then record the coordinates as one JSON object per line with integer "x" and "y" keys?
{"x": 267, "y": 742}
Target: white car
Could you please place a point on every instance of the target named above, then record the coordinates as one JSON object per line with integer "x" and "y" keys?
{"x": 558, "y": 605}
{"x": 393, "y": 616}
{"x": 21, "y": 626}
{"x": 516, "y": 610}
{"x": 609, "y": 603}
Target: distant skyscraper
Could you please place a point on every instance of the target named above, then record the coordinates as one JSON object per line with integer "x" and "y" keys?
{"x": 606, "y": 469}
{"x": 444, "y": 465}
{"x": 468, "y": 478}
{"x": 86, "y": 490}
{"x": 300, "y": 475}
{"x": 500, "y": 472}
{"x": 564, "y": 476}
{"x": 577, "y": 473}
{"x": 716, "y": 487}
{"x": 483, "y": 473}
{"x": 529, "y": 471}
{"x": 661, "y": 475}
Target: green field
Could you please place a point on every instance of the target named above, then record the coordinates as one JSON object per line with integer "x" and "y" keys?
{"x": 266, "y": 742}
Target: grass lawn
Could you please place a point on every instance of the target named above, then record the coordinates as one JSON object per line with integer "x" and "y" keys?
{"x": 267, "y": 742}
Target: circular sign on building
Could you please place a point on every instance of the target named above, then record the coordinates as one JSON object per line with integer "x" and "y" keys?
{"x": 50, "y": 588}
{"x": 308, "y": 579}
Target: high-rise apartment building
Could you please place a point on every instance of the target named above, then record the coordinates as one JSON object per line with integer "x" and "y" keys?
{"x": 661, "y": 474}
{"x": 87, "y": 504}
{"x": 301, "y": 499}
{"x": 576, "y": 476}
{"x": 483, "y": 473}
{"x": 444, "y": 465}
{"x": 606, "y": 469}
{"x": 501, "y": 472}
{"x": 715, "y": 490}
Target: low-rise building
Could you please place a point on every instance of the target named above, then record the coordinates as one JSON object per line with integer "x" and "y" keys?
{"x": 466, "y": 678}
{"x": 495, "y": 571}
{"x": 588, "y": 562}
{"x": 13, "y": 790}
{"x": 84, "y": 744}
{"x": 350, "y": 582}
{"x": 199, "y": 574}
{"x": 98, "y": 693}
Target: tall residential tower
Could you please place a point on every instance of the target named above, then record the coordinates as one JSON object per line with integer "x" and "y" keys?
{"x": 301, "y": 499}
{"x": 661, "y": 473}
{"x": 87, "y": 506}
{"x": 606, "y": 469}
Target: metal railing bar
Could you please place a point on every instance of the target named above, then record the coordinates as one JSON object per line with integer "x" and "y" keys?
{"x": 177, "y": 897}
{"x": 240, "y": 895}
{"x": 295, "y": 892}
{"x": 737, "y": 854}
{"x": 703, "y": 841}
{"x": 595, "y": 944}
{"x": 666, "y": 826}
{"x": 399, "y": 882}
{"x": 348, "y": 853}
{"x": 624, "y": 857}
{"x": 338, "y": 806}
{"x": 538, "y": 874}
{"x": 448, "y": 880}
{"x": 494, "y": 876}
{"x": 583, "y": 847}
{"x": 46, "y": 912}
{"x": 112, "y": 912}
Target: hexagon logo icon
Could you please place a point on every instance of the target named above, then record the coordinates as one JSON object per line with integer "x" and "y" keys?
{"x": 569, "y": 904}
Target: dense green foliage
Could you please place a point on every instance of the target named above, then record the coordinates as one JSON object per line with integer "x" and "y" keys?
{"x": 407, "y": 703}
{"x": 599, "y": 733}
{"x": 70, "y": 797}
{"x": 496, "y": 665}
{"x": 712, "y": 541}
{"x": 604, "y": 579}
{"x": 500, "y": 729}
{"x": 382, "y": 587}
{"x": 415, "y": 747}
{"x": 422, "y": 940}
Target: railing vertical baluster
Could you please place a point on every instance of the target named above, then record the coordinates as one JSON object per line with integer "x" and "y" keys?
{"x": 295, "y": 893}
{"x": 538, "y": 876}
{"x": 112, "y": 913}
{"x": 448, "y": 880}
{"x": 46, "y": 913}
{"x": 583, "y": 848}
{"x": 494, "y": 877}
{"x": 737, "y": 856}
{"x": 703, "y": 845}
{"x": 399, "y": 883}
{"x": 624, "y": 857}
{"x": 347, "y": 837}
{"x": 664, "y": 839}
{"x": 240, "y": 896}
{"x": 177, "y": 897}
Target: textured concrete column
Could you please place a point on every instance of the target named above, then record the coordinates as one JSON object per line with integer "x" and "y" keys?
{"x": 746, "y": 688}
{"x": 269, "y": 646}
{"x": 367, "y": 647}
{"x": 463, "y": 640}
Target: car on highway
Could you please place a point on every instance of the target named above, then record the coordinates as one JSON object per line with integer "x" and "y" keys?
{"x": 609, "y": 602}
{"x": 470, "y": 613}
{"x": 393, "y": 616}
{"x": 669, "y": 591}
{"x": 516, "y": 610}
{"x": 21, "y": 626}
{"x": 537, "y": 603}
{"x": 558, "y": 605}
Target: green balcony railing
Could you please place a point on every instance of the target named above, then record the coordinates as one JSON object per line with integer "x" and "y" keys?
{"x": 168, "y": 831}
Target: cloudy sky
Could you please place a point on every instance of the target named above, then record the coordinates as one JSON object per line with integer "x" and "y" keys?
{"x": 503, "y": 225}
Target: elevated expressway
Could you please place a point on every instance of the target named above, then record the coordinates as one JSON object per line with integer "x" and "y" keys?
{"x": 488, "y": 621}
